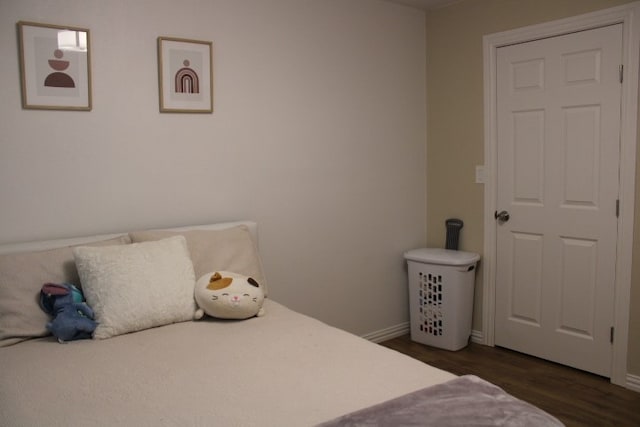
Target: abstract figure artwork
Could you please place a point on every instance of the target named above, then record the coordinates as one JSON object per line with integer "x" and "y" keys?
{"x": 185, "y": 77}
{"x": 55, "y": 67}
{"x": 58, "y": 78}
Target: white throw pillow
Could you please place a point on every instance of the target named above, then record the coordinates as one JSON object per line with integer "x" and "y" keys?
{"x": 137, "y": 286}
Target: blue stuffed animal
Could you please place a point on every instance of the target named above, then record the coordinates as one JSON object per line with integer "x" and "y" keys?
{"x": 72, "y": 317}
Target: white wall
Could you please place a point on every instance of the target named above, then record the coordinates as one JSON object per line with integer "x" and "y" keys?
{"x": 318, "y": 134}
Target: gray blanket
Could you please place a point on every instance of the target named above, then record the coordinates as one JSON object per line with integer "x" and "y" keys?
{"x": 464, "y": 401}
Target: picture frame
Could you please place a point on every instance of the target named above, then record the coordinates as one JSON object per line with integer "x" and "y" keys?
{"x": 55, "y": 66}
{"x": 185, "y": 75}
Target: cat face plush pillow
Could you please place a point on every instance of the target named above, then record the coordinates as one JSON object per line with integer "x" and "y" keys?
{"x": 228, "y": 295}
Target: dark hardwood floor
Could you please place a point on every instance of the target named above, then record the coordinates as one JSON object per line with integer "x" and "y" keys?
{"x": 575, "y": 397}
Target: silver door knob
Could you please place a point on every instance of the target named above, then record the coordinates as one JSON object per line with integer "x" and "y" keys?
{"x": 502, "y": 216}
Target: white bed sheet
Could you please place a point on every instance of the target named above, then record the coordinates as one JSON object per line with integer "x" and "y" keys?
{"x": 283, "y": 369}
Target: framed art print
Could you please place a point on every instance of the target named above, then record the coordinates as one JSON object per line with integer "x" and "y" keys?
{"x": 185, "y": 77}
{"x": 55, "y": 67}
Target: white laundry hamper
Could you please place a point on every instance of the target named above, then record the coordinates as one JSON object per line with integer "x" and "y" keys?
{"x": 441, "y": 285}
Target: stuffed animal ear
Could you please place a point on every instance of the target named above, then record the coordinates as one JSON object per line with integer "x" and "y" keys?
{"x": 48, "y": 294}
{"x": 54, "y": 289}
{"x": 217, "y": 282}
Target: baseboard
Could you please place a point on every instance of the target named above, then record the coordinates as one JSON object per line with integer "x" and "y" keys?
{"x": 633, "y": 382}
{"x": 388, "y": 333}
{"x": 477, "y": 337}
{"x": 405, "y": 328}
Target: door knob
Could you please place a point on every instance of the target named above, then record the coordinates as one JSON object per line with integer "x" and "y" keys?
{"x": 502, "y": 216}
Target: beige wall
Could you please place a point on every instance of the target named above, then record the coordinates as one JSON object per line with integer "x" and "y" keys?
{"x": 455, "y": 127}
{"x": 318, "y": 134}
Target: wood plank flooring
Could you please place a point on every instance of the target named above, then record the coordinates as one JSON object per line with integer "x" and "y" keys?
{"x": 575, "y": 397}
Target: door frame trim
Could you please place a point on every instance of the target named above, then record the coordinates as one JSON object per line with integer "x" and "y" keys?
{"x": 629, "y": 16}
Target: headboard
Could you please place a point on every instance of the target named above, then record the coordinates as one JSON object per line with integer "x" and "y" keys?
{"x": 57, "y": 243}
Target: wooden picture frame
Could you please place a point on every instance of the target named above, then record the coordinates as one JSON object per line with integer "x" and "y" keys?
{"x": 185, "y": 75}
{"x": 55, "y": 66}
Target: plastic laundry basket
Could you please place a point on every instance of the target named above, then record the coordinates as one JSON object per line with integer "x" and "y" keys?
{"x": 441, "y": 283}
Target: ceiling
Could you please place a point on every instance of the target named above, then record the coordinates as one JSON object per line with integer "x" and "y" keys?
{"x": 424, "y": 4}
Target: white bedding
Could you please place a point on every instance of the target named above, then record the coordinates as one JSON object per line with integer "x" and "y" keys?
{"x": 282, "y": 369}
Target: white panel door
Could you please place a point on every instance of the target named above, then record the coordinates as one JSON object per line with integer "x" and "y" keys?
{"x": 557, "y": 179}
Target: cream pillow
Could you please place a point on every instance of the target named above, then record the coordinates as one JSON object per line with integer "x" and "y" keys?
{"x": 21, "y": 278}
{"x": 229, "y": 249}
{"x": 137, "y": 286}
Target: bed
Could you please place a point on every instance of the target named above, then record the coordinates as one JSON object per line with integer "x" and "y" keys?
{"x": 280, "y": 369}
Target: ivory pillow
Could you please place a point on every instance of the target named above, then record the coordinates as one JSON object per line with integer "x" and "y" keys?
{"x": 229, "y": 249}
{"x": 137, "y": 286}
{"x": 21, "y": 278}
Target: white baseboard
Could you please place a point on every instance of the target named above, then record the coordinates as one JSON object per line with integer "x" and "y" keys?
{"x": 477, "y": 337}
{"x": 405, "y": 328}
{"x": 633, "y": 382}
{"x": 388, "y": 333}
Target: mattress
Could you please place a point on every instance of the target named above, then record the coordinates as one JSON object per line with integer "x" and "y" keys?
{"x": 281, "y": 369}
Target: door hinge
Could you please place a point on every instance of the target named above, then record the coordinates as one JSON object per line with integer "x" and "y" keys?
{"x": 618, "y": 208}
{"x": 611, "y": 335}
{"x": 621, "y": 70}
